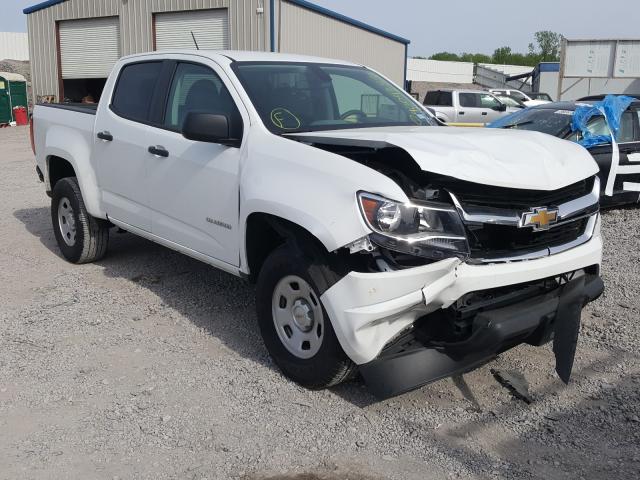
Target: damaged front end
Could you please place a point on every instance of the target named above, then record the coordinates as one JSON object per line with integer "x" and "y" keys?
{"x": 480, "y": 326}
{"x": 461, "y": 272}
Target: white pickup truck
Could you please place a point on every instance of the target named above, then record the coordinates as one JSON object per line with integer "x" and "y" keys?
{"x": 379, "y": 242}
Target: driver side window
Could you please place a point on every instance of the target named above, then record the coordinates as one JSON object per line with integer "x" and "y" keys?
{"x": 598, "y": 126}
{"x": 196, "y": 88}
{"x": 488, "y": 101}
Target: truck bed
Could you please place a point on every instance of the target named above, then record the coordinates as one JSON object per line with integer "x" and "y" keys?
{"x": 88, "y": 108}
{"x": 63, "y": 127}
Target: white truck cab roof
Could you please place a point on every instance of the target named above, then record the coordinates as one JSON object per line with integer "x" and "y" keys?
{"x": 241, "y": 56}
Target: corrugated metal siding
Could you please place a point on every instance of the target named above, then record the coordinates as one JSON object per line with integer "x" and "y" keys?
{"x": 421, "y": 70}
{"x": 42, "y": 38}
{"x": 210, "y": 28}
{"x": 89, "y": 47}
{"x": 248, "y": 29}
{"x": 307, "y": 32}
{"x": 14, "y": 46}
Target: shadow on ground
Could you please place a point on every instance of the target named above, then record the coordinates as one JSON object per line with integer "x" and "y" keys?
{"x": 216, "y": 301}
{"x": 315, "y": 476}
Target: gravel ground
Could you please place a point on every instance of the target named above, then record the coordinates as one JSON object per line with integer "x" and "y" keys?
{"x": 148, "y": 365}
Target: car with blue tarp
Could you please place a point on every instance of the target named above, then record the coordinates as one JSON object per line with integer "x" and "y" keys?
{"x": 591, "y": 124}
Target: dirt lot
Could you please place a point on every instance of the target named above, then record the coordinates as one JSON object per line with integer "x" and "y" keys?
{"x": 149, "y": 365}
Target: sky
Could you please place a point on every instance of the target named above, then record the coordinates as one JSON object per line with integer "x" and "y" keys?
{"x": 461, "y": 25}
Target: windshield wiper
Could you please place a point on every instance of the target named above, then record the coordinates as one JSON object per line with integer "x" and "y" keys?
{"x": 299, "y": 131}
{"x": 516, "y": 125}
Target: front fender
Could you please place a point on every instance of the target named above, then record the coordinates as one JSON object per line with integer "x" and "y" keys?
{"x": 443, "y": 117}
{"x": 309, "y": 187}
{"x": 70, "y": 145}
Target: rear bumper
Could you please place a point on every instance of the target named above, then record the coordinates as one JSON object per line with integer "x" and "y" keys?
{"x": 411, "y": 363}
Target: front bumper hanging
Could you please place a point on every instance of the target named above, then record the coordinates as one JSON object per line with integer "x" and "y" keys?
{"x": 535, "y": 321}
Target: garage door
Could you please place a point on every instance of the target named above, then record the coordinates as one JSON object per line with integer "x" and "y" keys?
{"x": 89, "y": 48}
{"x": 210, "y": 29}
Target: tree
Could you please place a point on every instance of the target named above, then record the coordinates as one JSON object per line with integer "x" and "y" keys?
{"x": 475, "y": 58}
{"x": 546, "y": 49}
{"x": 548, "y": 45}
{"x": 446, "y": 56}
{"x": 501, "y": 55}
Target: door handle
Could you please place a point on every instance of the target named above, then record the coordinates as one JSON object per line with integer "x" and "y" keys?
{"x": 105, "y": 136}
{"x": 460, "y": 113}
{"x": 484, "y": 113}
{"x": 158, "y": 150}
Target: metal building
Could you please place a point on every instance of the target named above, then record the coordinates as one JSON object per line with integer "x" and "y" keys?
{"x": 545, "y": 78}
{"x": 14, "y": 46}
{"x": 597, "y": 67}
{"x": 423, "y": 70}
{"x": 74, "y": 43}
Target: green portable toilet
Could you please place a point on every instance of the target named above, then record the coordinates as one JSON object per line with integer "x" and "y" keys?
{"x": 13, "y": 93}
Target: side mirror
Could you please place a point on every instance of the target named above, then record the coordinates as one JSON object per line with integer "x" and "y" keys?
{"x": 210, "y": 128}
{"x": 501, "y": 108}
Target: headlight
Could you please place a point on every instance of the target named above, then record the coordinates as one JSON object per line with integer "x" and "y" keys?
{"x": 425, "y": 229}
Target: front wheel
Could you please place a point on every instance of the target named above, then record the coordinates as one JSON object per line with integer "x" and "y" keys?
{"x": 81, "y": 237}
{"x": 294, "y": 325}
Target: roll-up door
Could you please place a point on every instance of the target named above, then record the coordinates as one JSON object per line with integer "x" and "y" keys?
{"x": 90, "y": 47}
{"x": 210, "y": 29}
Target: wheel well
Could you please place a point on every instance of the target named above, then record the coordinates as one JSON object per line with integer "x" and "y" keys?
{"x": 59, "y": 168}
{"x": 265, "y": 233}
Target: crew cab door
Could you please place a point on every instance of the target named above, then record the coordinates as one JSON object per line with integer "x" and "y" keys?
{"x": 194, "y": 186}
{"x": 441, "y": 104}
{"x": 120, "y": 148}
{"x": 477, "y": 107}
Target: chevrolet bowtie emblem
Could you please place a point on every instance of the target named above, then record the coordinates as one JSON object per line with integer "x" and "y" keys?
{"x": 540, "y": 218}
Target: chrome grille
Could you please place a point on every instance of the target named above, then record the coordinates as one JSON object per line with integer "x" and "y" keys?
{"x": 514, "y": 198}
{"x": 494, "y": 221}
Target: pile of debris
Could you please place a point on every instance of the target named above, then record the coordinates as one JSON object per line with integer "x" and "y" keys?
{"x": 16, "y": 66}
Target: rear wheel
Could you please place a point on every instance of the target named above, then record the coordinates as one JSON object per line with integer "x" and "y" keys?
{"x": 81, "y": 237}
{"x": 294, "y": 325}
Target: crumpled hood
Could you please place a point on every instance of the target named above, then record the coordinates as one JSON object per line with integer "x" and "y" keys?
{"x": 503, "y": 158}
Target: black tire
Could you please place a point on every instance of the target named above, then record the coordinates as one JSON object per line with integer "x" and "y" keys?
{"x": 91, "y": 234}
{"x": 330, "y": 365}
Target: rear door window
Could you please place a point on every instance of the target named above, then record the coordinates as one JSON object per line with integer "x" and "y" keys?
{"x": 134, "y": 90}
{"x": 431, "y": 98}
{"x": 441, "y": 99}
{"x": 446, "y": 99}
{"x": 469, "y": 100}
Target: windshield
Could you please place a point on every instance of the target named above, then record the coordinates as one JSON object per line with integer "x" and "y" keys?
{"x": 540, "y": 96}
{"x": 546, "y": 120}
{"x": 518, "y": 95}
{"x": 509, "y": 101}
{"x": 301, "y": 97}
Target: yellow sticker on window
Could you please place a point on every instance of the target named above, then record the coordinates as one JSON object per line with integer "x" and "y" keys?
{"x": 2, "y": 86}
{"x": 284, "y": 119}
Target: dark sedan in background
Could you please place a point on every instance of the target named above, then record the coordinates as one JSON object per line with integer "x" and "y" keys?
{"x": 555, "y": 119}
